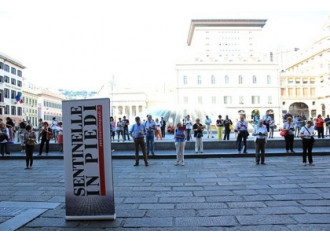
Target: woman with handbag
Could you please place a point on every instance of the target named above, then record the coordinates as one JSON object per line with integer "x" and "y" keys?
{"x": 307, "y": 135}
{"x": 288, "y": 128}
{"x": 30, "y": 139}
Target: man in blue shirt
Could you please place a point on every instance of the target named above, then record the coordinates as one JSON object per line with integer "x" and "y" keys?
{"x": 150, "y": 134}
{"x": 137, "y": 132}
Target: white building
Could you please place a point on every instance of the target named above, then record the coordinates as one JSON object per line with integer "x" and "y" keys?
{"x": 30, "y": 105}
{"x": 305, "y": 84}
{"x": 124, "y": 101}
{"x": 229, "y": 74}
{"x": 11, "y": 82}
{"x": 49, "y": 105}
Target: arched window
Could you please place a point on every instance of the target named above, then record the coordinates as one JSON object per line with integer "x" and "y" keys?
{"x": 212, "y": 79}
{"x": 269, "y": 80}
{"x": 199, "y": 80}
{"x": 240, "y": 79}
{"x": 185, "y": 80}
{"x": 254, "y": 79}
{"x": 226, "y": 79}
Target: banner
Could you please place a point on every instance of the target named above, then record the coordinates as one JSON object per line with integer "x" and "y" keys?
{"x": 89, "y": 190}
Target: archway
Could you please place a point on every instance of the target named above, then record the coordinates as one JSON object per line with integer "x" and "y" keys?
{"x": 299, "y": 109}
{"x": 254, "y": 113}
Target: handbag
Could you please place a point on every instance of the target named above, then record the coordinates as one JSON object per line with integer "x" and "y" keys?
{"x": 284, "y": 132}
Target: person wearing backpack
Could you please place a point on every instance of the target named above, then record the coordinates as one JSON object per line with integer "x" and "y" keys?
{"x": 4, "y": 139}
{"x": 30, "y": 139}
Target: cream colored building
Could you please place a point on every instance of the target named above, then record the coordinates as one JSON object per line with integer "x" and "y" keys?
{"x": 228, "y": 73}
{"x": 11, "y": 83}
{"x": 30, "y": 105}
{"x": 49, "y": 105}
{"x": 305, "y": 84}
{"x": 124, "y": 101}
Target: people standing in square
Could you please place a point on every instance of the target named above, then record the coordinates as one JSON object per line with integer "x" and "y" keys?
{"x": 198, "y": 134}
{"x": 242, "y": 129}
{"x": 150, "y": 126}
{"x": 138, "y": 132}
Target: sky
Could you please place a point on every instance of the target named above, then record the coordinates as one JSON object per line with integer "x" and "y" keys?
{"x": 81, "y": 45}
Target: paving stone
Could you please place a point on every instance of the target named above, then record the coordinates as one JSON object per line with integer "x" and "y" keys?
{"x": 222, "y": 212}
{"x": 258, "y": 228}
{"x": 296, "y": 197}
{"x": 281, "y": 203}
{"x": 309, "y": 227}
{"x": 315, "y": 202}
{"x": 213, "y": 193}
{"x": 258, "y": 198}
{"x": 225, "y": 199}
{"x": 246, "y": 204}
{"x": 280, "y": 210}
{"x": 261, "y": 219}
{"x": 206, "y": 221}
{"x": 320, "y": 210}
{"x": 312, "y": 218}
{"x": 148, "y": 222}
{"x": 139, "y": 200}
{"x": 245, "y": 192}
{"x": 156, "y": 206}
{"x": 170, "y": 213}
{"x": 181, "y": 199}
{"x": 52, "y": 222}
{"x": 284, "y": 185}
{"x": 201, "y": 205}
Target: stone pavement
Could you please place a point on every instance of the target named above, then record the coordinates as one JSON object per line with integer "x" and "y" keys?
{"x": 205, "y": 194}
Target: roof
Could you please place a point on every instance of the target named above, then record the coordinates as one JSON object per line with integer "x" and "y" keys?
{"x": 11, "y": 60}
{"x": 223, "y": 23}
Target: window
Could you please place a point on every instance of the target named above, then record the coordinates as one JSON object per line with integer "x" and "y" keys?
{"x": 6, "y": 94}
{"x": 6, "y": 79}
{"x": 7, "y": 109}
{"x": 212, "y": 79}
{"x": 185, "y": 81}
{"x": 13, "y": 81}
{"x": 227, "y": 99}
{"x": 19, "y": 111}
{"x": 13, "y": 70}
{"x": 6, "y": 68}
{"x": 199, "y": 80}
{"x": 305, "y": 92}
{"x": 241, "y": 100}
{"x": 269, "y": 80}
{"x": 240, "y": 79}
{"x": 13, "y": 94}
{"x": 19, "y": 83}
{"x": 312, "y": 92}
{"x": 214, "y": 100}
{"x": 19, "y": 73}
{"x": 255, "y": 99}
{"x": 1, "y": 65}
{"x": 13, "y": 110}
{"x": 226, "y": 79}
{"x": 290, "y": 92}
{"x": 298, "y": 92}
{"x": 1, "y": 79}
{"x": 254, "y": 79}
{"x": 270, "y": 100}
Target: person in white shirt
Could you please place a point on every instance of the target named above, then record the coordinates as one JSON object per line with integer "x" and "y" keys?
{"x": 289, "y": 127}
{"x": 53, "y": 126}
{"x": 307, "y": 135}
{"x": 188, "y": 124}
{"x": 208, "y": 122}
{"x": 242, "y": 129}
{"x": 260, "y": 132}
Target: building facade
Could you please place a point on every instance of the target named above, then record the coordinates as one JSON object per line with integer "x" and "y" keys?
{"x": 11, "y": 85}
{"x": 305, "y": 84}
{"x": 49, "y": 105}
{"x": 229, "y": 74}
{"x": 30, "y": 104}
